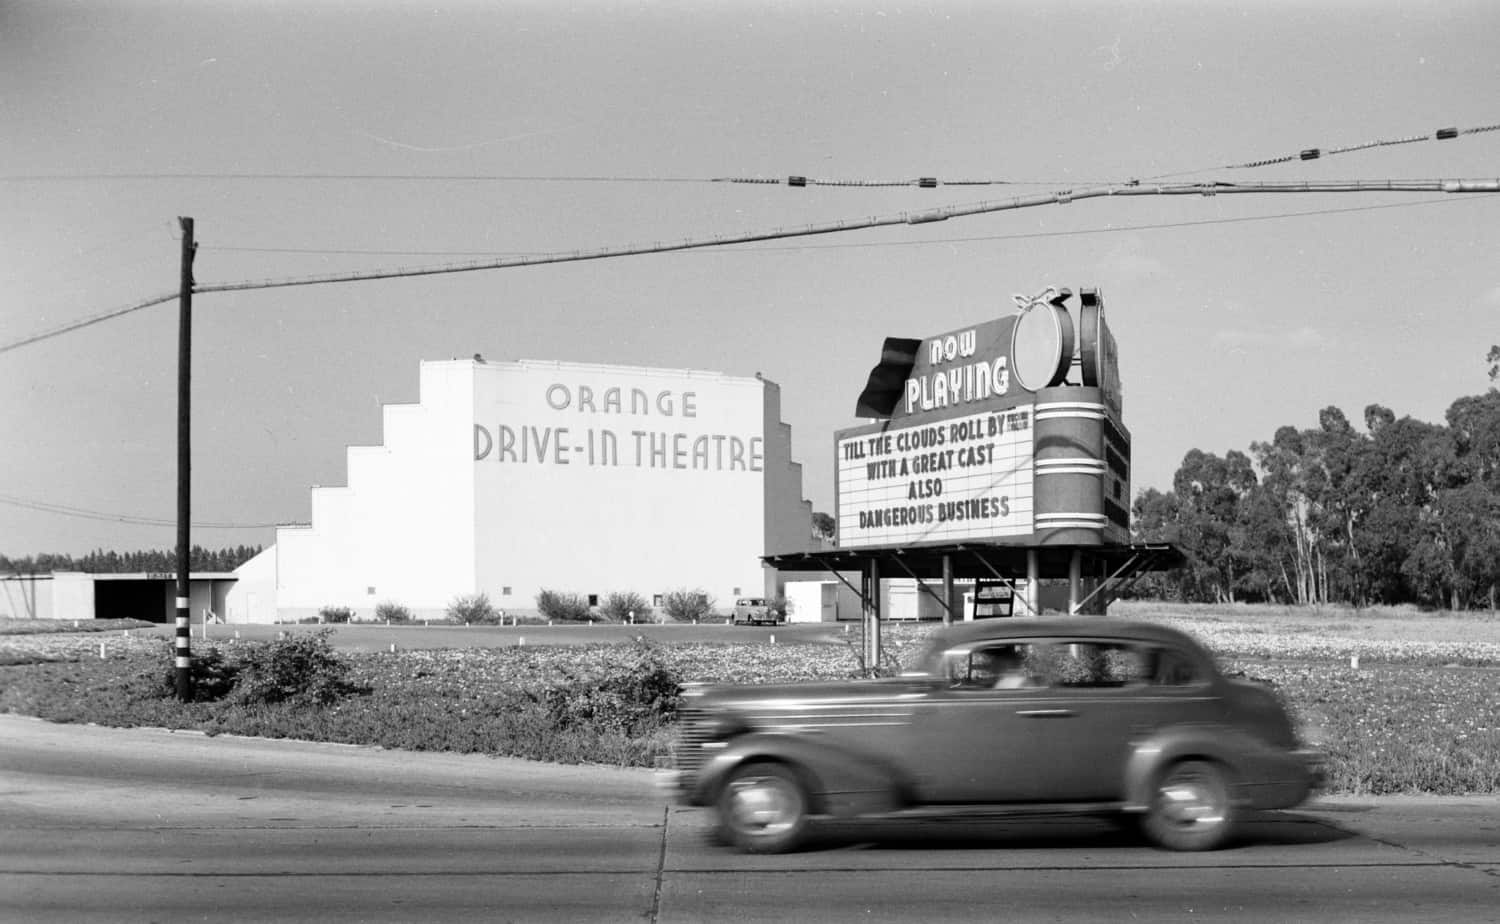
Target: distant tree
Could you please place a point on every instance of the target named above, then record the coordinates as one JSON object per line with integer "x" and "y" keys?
{"x": 1493, "y": 358}
{"x": 112, "y": 562}
{"x": 1396, "y": 485}
{"x": 1407, "y": 512}
{"x": 1292, "y": 488}
{"x": 1153, "y": 518}
{"x": 1211, "y": 494}
{"x": 823, "y": 526}
{"x": 1465, "y": 533}
{"x": 1475, "y": 422}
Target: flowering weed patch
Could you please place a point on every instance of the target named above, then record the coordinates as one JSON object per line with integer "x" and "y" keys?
{"x": 1395, "y": 728}
{"x": 1402, "y": 722}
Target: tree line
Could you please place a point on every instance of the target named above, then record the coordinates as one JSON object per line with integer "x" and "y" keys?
{"x": 158, "y": 562}
{"x": 1403, "y": 511}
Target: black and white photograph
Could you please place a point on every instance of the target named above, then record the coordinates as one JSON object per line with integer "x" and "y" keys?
{"x": 749, "y": 461}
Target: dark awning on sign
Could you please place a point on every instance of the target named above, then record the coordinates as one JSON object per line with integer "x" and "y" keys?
{"x": 887, "y": 379}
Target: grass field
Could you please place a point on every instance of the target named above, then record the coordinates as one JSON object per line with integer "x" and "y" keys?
{"x": 1418, "y": 714}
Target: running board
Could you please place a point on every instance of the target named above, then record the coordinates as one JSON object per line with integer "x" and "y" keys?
{"x": 981, "y": 811}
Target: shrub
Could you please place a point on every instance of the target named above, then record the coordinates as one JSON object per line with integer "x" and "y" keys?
{"x": 213, "y": 675}
{"x": 687, "y": 605}
{"x": 336, "y": 614}
{"x": 556, "y": 605}
{"x": 393, "y": 613}
{"x": 618, "y": 607}
{"x": 475, "y": 608}
{"x": 634, "y": 698}
{"x": 302, "y": 668}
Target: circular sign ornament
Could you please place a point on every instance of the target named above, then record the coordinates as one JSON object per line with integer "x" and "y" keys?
{"x": 1098, "y": 359}
{"x": 1091, "y": 347}
{"x": 1041, "y": 342}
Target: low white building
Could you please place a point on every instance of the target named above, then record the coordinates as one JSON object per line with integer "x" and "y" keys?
{"x": 80, "y": 595}
{"x": 510, "y": 478}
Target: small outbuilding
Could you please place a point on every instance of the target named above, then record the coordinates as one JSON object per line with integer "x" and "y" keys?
{"x": 149, "y": 596}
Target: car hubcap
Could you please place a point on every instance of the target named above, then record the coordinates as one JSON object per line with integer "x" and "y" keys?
{"x": 764, "y": 804}
{"x": 1188, "y": 801}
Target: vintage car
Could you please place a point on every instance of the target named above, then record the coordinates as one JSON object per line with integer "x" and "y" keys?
{"x": 1084, "y": 715}
{"x": 755, "y": 611}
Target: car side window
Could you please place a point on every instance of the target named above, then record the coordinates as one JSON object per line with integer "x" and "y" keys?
{"x": 992, "y": 667}
{"x": 1096, "y": 664}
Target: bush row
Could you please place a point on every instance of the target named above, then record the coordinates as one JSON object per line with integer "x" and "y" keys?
{"x": 681, "y": 605}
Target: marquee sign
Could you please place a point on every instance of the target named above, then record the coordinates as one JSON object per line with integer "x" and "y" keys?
{"x": 1007, "y": 430}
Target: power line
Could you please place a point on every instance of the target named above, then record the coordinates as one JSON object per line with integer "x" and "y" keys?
{"x": 795, "y": 180}
{"x": 380, "y": 177}
{"x": 1313, "y": 153}
{"x": 87, "y": 514}
{"x": 1211, "y": 188}
{"x": 1110, "y": 229}
{"x": 921, "y": 182}
{"x": 86, "y": 322}
{"x": 927, "y": 216}
{"x": 1442, "y": 134}
{"x": 1023, "y": 236}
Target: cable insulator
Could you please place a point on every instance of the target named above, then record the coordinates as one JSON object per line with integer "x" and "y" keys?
{"x": 796, "y": 181}
{"x": 1311, "y": 154}
{"x": 927, "y": 182}
{"x": 1444, "y": 134}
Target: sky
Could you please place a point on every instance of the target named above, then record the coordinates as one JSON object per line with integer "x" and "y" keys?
{"x": 317, "y": 138}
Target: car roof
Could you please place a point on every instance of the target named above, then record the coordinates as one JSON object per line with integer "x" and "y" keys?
{"x": 1076, "y": 627}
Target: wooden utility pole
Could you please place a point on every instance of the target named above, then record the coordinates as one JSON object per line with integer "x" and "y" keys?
{"x": 184, "y": 659}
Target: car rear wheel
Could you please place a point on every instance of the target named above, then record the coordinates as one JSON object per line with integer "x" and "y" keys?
{"x": 1190, "y": 807}
{"x": 763, "y": 808}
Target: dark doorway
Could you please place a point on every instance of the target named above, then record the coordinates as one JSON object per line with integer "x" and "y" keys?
{"x": 144, "y": 600}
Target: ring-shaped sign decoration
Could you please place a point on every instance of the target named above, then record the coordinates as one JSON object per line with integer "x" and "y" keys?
{"x": 1090, "y": 345}
{"x": 1041, "y": 346}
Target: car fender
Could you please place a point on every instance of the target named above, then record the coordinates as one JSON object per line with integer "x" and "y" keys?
{"x": 865, "y": 784}
{"x": 1223, "y": 744}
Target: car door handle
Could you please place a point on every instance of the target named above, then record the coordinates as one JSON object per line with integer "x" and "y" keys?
{"x": 1047, "y": 713}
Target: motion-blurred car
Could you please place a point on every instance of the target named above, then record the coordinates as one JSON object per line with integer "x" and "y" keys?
{"x": 752, "y": 611}
{"x": 1086, "y": 716}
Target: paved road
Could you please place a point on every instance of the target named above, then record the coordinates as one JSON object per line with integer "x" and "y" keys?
{"x": 144, "y": 825}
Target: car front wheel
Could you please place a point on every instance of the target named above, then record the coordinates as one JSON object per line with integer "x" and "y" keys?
{"x": 1190, "y": 807}
{"x": 763, "y": 808}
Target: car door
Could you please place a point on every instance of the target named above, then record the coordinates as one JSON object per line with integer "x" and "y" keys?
{"x": 980, "y": 743}
{"x": 1102, "y": 698}
{"x": 1064, "y": 735}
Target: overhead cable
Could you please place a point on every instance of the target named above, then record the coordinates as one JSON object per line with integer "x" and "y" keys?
{"x": 1442, "y": 134}
{"x": 794, "y": 180}
{"x": 1018, "y": 236}
{"x": 85, "y": 322}
{"x": 913, "y": 218}
{"x": 923, "y": 182}
{"x": 926, "y": 216}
